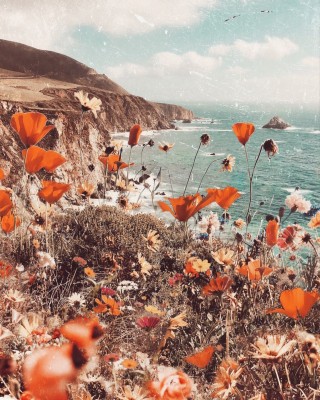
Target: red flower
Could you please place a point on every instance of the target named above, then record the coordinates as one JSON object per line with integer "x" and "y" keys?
{"x": 287, "y": 238}
{"x": 148, "y": 322}
{"x": 31, "y": 127}
{"x": 219, "y": 284}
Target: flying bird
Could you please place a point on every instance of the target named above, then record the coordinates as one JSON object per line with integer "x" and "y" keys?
{"x": 239, "y": 15}
{"x": 229, "y": 19}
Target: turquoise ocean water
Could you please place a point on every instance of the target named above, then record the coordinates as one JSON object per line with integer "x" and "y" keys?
{"x": 296, "y": 165}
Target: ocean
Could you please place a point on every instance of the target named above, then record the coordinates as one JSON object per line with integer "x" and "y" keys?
{"x": 296, "y": 165}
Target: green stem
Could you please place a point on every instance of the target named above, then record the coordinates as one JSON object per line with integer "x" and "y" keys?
{"x": 194, "y": 160}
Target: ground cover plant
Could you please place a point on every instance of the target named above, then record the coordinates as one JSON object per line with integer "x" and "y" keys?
{"x": 104, "y": 302}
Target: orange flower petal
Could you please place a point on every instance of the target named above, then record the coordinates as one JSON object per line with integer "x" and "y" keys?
{"x": 296, "y": 303}
{"x": 53, "y": 191}
{"x": 82, "y": 331}
{"x": 243, "y": 131}
{"x": 129, "y": 363}
{"x": 48, "y": 371}
{"x": 224, "y": 197}
{"x": 33, "y": 159}
{"x": 272, "y": 233}
{"x": 9, "y": 222}
{"x": 201, "y": 359}
{"x": 5, "y": 203}
{"x": 31, "y": 127}
{"x": 134, "y": 135}
{"x": 2, "y": 175}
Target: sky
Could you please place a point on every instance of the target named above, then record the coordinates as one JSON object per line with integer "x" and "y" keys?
{"x": 183, "y": 50}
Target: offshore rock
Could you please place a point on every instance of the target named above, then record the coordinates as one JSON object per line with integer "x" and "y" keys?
{"x": 276, "y": 123}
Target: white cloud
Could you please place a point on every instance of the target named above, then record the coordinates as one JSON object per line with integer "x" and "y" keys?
{"x": 273, "y": 48}
{"x": 220, "y": 49}
{"x": 168, "y": 64}
{"x": 46, "y": 23}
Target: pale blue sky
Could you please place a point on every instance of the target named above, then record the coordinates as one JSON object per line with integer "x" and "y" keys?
{"x": 183, "y": 50}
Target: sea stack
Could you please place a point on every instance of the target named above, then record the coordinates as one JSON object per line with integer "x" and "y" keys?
{"x": 276, "y": 123}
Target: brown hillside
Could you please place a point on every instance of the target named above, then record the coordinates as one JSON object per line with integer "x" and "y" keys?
{"x": 20, "y": 58}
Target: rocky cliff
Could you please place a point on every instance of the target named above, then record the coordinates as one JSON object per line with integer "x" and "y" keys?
{"x": 173, "y": 112}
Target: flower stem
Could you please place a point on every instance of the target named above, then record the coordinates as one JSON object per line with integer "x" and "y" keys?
{"x": 194, "y": 160}
{"x": 142, "y": 155}
{"x": 127, "y": 182}
{"x": 206, "y": 173}
{"x": 169, "y": 174}
{"x": 251, "y": 179}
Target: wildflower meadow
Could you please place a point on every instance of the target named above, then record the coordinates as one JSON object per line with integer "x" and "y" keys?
{"x": 99, "y": 300}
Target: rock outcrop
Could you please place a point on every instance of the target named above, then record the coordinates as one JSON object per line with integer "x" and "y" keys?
{"x": 173, "y": 112}
{"x": 276, "y": 123}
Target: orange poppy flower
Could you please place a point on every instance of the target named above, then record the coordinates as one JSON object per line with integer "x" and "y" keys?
{"x": 37, "y": 158}
{"x": 296, "y": 303}
{"x": 113, "y": 163}
{"x": 5, "y": 269}
{"x": 31, "y": 127}
{"x": 272, "y": 233}
{"x": 201, "y": 359}
{"x": 134, "y": 135}
{"x": 185, "y": 207}
{"x": 243, "y": 131}
{"x": 254, "y": 271}
{"x": 2, "y": 175}
{"x": 33, "y": 159}
{"x": 90, "y": 272}
{"x": 129, "y": 363}
{"x": 82, "y": 331}
{"x": 52, "y": 191}
{"x": 108, "y": 305}
{"x": 9, "y": 222}
{"x": 5, "y": 203}
{"x": 219, "y": 284}
{"x": 224, "y": 197}
{"x": 48, "y": 371}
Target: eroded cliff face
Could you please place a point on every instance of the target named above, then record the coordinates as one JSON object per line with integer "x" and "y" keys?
{"x": 173, "y": 112}
{"x": 80, "y": 139}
